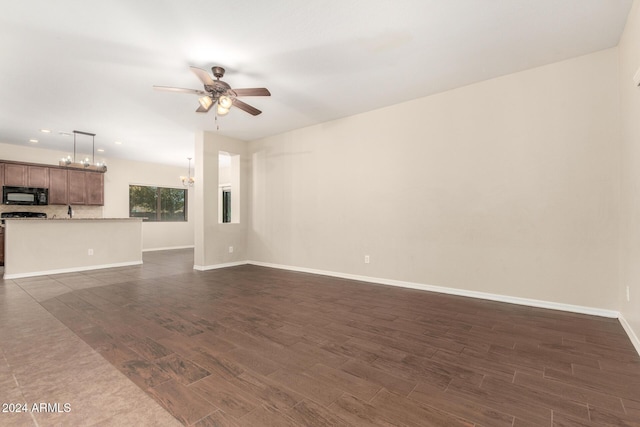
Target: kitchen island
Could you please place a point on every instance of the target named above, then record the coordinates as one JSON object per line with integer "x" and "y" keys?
{"x": 36, "y": 247}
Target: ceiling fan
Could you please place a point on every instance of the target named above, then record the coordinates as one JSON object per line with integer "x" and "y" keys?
{"x": 217, "y": 91}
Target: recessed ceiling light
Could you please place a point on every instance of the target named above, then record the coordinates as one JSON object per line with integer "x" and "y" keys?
{"x": 64, "y": 133}
{"x": 34, "y": 141}
{"x": 45, "y": 130}
{"x": 118, "y": 142}
{"x": 100, "y": 150}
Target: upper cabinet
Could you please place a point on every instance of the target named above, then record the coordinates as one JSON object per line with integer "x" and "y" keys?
{"x": 77, "y": 187}
{"x": 86, "y": 188}
{"x": 38, "y": 176}
{"x": 66, "y": 185}
{"x": 95, "y": 188}
{"x": 58, "y": 189}
{"x": 17, "y": 175}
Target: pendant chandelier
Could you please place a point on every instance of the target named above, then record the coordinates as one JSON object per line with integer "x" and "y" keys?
{"x": 188, "y": 180}
{"x": 84, "y": 163}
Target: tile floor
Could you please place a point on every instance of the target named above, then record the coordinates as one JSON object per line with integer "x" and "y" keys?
{"x": 42, "y": 361}
{"x": 162, "y": 344}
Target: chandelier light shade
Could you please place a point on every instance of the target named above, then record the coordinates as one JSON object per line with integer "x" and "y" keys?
{"x": 221, "y": 110}
{"x": 225, "y": 102}
{"x": 188, "y": 180}
{"x": 206, "y": 102}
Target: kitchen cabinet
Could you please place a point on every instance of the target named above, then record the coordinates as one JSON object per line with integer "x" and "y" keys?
{"x": 66, "y": 185}
{"x": 85, "y": 188}
{"x": 18, "y": 175}
{"x": 58, "y": 189}
{"x": 77, "y": 185}
{"x": 15, "y": 175}
{"x": 95, "y": 188}
{"x": 38, "y": 176}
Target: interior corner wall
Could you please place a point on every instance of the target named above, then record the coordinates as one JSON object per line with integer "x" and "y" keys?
{"x": 629, "y": 55}
{"x": 509, "y": 187}
{"x": 213, "y": 239}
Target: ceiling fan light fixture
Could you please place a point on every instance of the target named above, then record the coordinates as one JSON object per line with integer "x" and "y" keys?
{"x": 219, "y": 92}
{"x": 206, "y": 102}
{"x": 225, "y": 102}
{"x": 222, "y": 111}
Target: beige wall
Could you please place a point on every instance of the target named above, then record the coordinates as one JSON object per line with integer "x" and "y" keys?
{"x": 120, "y": 174}
{"x": 212, "y": 239}
{"x": 509, "y": 186}
{"x": 630, "y": 172}
{"x": 37, "y": 247}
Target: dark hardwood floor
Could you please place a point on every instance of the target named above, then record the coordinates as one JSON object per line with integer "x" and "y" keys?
{"x": 253, "y": 346}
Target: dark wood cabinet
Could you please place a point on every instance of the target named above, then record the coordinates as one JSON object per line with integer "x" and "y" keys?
{"x": 18, "y": 175}
{"x": 58, "y": 189}
{"x": 77, "y": 187}
{"x": 38, "y": 176}
{"x": 67, "y": 186}
{"x": 95, "y": 188}
{"x": 86, "y": 188}
{"x": 15, "y": 175}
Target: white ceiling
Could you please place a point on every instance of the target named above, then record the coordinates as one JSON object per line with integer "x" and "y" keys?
{"x": 86, "y": 65}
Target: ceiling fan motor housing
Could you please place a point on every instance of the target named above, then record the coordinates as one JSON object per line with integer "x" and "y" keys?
{"x": 218, "y": 88}
{"x": 218, "y": 72}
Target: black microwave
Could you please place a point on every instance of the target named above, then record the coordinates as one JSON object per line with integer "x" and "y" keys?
{"x": 25, "y": 196}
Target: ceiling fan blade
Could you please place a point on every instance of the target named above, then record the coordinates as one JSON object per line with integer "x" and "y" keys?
{"x": 256, "y": 91}
{"x": 204, "y": 77}
{"x": 246, "y": 107}
{"x": 201, "y": 109}
{"x": 179, "y": 89}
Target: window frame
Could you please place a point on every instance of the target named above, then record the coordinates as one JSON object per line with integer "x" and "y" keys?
{"x": 158, "y": 207}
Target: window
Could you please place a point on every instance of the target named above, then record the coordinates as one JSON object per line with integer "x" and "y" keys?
{"x": 226, "y": 205}
{"x": 157, "y": 203}
{"x": 228, "y": 188}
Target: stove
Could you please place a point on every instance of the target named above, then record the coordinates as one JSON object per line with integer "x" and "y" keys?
{"x": 22, "y": 215}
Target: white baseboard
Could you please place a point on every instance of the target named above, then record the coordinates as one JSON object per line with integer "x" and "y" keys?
{"x": 452, "y": 291}
{"x": 217, "y": 266}
{"x": 69, "y": 270}
{"x": 632, "y": 335}
{"x": 169, "y": 248}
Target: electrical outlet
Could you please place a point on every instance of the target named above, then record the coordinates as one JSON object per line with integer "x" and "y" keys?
{"x": 90, "y": 252}
{"x": 230, "y": 249}
{"x": 628, "y": 296}
{"x": 366, "y": 259}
